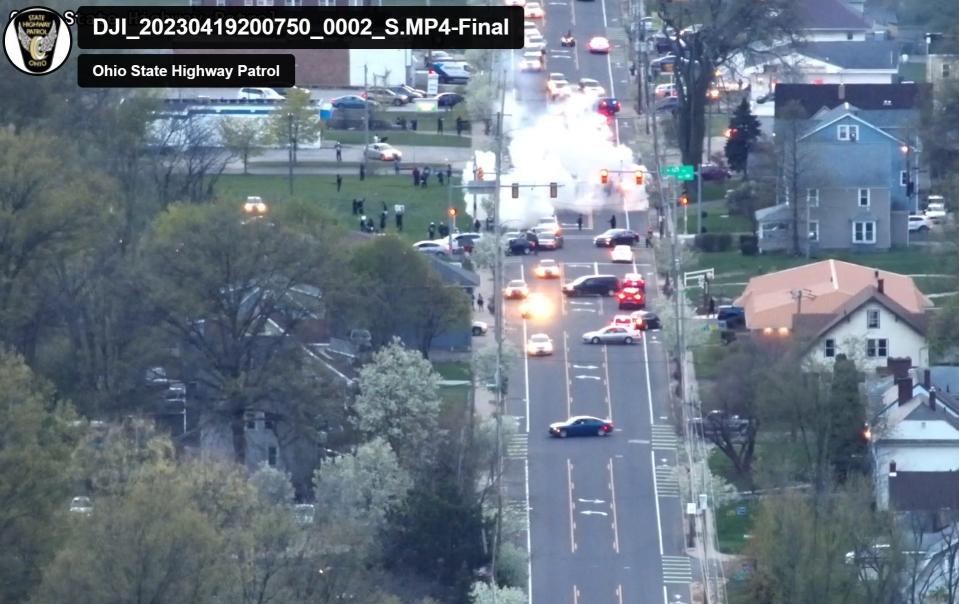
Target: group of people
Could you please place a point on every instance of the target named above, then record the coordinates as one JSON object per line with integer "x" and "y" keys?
{"x": 367, "y": 225}
{"x": 421, "y": 177}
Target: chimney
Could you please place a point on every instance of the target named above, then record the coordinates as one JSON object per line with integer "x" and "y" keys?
{"x": 881, "y": 286}
{"x": 905, "y": 389}
{"x": 892, "y": 469}
{"x": 926, "y": 378}
{"x": 899, "y": 366}
{"x": 932, "y": 399}
{"x": 842, "y": 92}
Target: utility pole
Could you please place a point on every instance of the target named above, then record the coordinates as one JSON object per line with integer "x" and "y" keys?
{"x": 289, "y": 118}
{"x": 366, "y": 114}
{"x": 642, "y": 65}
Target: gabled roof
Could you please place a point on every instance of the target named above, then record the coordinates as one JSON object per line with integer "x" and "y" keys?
{"x": 453, "y": 273}
{"x": 813, "y": 97}
{"x": 854, "y": 117}
{"x": 864, "y": 54}
{"x": 914, "y": 491}
{"x": 829, "y": 285}
{"x": 829, "y": 15}
{"x": 819, "y": 325}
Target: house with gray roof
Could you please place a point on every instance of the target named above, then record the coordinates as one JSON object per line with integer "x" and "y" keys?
{"x": 831, "y": 21}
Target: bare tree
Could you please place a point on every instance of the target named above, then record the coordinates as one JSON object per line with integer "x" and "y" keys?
{"x": 794, "y": 169}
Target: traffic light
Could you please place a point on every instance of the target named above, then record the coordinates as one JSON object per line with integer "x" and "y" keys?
{"x": 604, "y": 176}
{"x": 451, "y": 212}
{"x": 684, "y": 200}
{"x": 515, "y": 188}
{"x": 639, "y": 177}
{"x": 553, "y": 190}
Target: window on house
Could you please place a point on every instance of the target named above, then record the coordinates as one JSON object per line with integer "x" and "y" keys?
{"x": 251, "y": 423}
{"x": 946, "y": 69}
{"x": 877, "y": 348}
{"x": 872, "y": 319}
{"x": 846, "y": 132}
{"x": 814, "y": 230}
{"x": 849, "y": 35}
{"x": 863, "y": 196}
{"x": 812, "y": 197}
{"x": 864, "y": 232}
{"x": 904, "y": 178}
{"x": 830, "y": 350}
{"x": 271, "y": 456}
{"x": 268, "y": 424}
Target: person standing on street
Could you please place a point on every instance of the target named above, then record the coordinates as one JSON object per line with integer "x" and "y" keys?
{"x": 439, "y": 125}
{"x": 416, "y": 177}
{"x": 612, "y": 221}
{"x": 362, "y": 223}
{"x": 579, "y": 222}
{"x": 459, "y": 126}
{"x": 339, "y": 151}
{"x": 425, "y": 178}
{"x": 479, "y": 301}
{"x": 339, "y": 183}
{"x": 449, "y": 171}
{"x": 476, "y": 226}
{"x": 355, "y": 205}
{"x": 359, "y": 206}
{"x": 432, "y": 230}
{"x": 396, "y": 166}
{"x": 362, "y": 172}
{"x": 439, "y": 177}
{"x": 383, "y": 220}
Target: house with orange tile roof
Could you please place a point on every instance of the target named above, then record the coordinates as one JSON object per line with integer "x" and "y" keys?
{"x": 867, "y": 314}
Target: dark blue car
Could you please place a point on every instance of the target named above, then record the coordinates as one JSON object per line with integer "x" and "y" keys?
{"x": 352, "y": 102}
{"x": 581, "y": 425}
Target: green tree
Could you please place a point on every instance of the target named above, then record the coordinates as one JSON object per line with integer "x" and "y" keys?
{"x": 272, "y": 485}
{"x": 36, "y": 438}
{"x": 295, "y": 121}
{"x": 111, "y": 457}
{"x": 846, "y": 446}
{"x": 243, "y": 137}
{"x": 743, "y": 131}
{"x": 745, "y": 199}
{"x": 709, "y": 34}
{"x": 399, "y": 401}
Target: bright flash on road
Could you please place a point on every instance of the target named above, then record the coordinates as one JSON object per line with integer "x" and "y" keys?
{"x": 536, "y": 306}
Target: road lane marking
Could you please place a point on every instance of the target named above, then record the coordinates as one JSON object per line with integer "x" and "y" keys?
{"x": 666, "y": 482}
{"x": 569, "y": 384}
{"x": 517, "y": 446}
{"x": 593, "y": 513}
{"x": 609, "y": 67}
{"x": 659, "y": 518}
{"x": 579, "y": 303}
{"x": 609, "y": 396}
{"x": 585, "y": 367}
{"x": 596, "y": 268}
{"x": 588, "y": 377}
{"x": 649, "y": 386}
{"x": 529, "y": 538}
{"x": 575, "y": 595}
{"x": 522, "y": 274}
{"x": 677, "y": 569}
{"x": 593, "y": 501}
{"x": 572, "y": 519}
{"x": 612, "y": 505}
{"x": 584, "y": 310}
{"x": 619, "y": 593}
{"x": 663, "y": 437}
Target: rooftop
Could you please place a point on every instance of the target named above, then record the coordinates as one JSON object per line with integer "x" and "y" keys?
{"x": 915, "y": 491}
{"x": 867, "y": 54}
{"x": 813, "y": 97}
{"x": 829, "y": 15}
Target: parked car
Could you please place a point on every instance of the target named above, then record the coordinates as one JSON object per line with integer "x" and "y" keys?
{"x": 670, "y": 103}
{"x": 432, "y": 247}
{"x": 614, "y": 237}
{"x": 935, "y": 209}
{"x": 534, "y": 42}
{"x": 621, "y": 253}
{"x": 532, "y": 62}
{"x": 714, "y": 172}
{"x": 387, "y": 96}
{"x": 546, "y": 269}
{"x": 919, "y": 223}
{"x": 718, "y": 422}
{"x": 383, "y": 152}
{"x": 611, "y": 334}
{"x": 533, "y": 10}
{"x": 631, "y": 297}
{"x": 645, "y": 320}
{"x": 455, "y": 72}
{"x": 480, "y": 328}
{"x": 448, "y": 100}
{"x": 581, "y": 425}
{"x": 664, "y": 90}
{"x": 81, "y": 505}
{"x": 602, "y": 285}
{"x": 664, "y": 63}
{"x": 734, "y": 317}
{"x": 351, "y": 101}
{"x": 766, "y": 98}
{"x": 516, "y": 289}
{"x": 539, "y": 344}
{"x": 413, "y": 93}
{"x": 259, "y": 94}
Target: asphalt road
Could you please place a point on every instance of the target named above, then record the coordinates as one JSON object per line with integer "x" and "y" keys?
{"x": 605, "y": 516}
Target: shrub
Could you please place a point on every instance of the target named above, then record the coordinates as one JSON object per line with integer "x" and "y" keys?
{"x": 714, "y": 242}
{"x": 748, "y": 245}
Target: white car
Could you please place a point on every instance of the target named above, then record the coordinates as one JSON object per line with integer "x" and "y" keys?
{"x": 532, "y": 61}
{"x": 591, "y": 86}
{"x": 533, "y": 10}
{"x": 935, "y": 209}
{"x": 530, "y": 27}
{"x": 621, "y": 253}
{"x": 480, "y": 328}
{"x": 557, "y": 89}
{"x": 383, "y": 152}
{"x": 919, "y": 223}
{"x": 549, "y": 222}
{"x": 516, "y": 288}
{"x": 664, "y": 90}
{"x": 432, "y": 247}
{"x": 547, "y": 269}
{"x": 259, "y": 94}
{"x": 539, "y": 344}
{"x": 612, "y": 334}
{"x": 535, "y": 41}
{"x": 81, "y": 505}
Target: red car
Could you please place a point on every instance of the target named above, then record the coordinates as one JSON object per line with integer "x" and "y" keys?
{"x": 634, "y": 280}
{"x": 631, "y": 297}
{"x": 598, "y": 45}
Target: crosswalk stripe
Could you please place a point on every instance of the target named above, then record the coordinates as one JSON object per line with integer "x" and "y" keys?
{"x": 666, "y": 483}
{"x": 677, "y": 569}
{"x": 663, "y": 437}
{"x": 517, "y": 446}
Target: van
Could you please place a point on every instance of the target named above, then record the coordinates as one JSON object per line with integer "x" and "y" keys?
{"x": 601, "y": 285}
{"x": 453, "y": 73}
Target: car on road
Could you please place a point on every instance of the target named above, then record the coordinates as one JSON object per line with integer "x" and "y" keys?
{"x": 608, "y": 106}
{"x": 530, "y": 27}
{"x": 467, "y": 241}
{"x": 613, "y": 237}
{"x": 935, "y": 209}
{"x": 664, "y": 63}
{"x": 634, "y": 280}
{"x": 602, "y": 285}
{"x": 555, "y": 76}
{"x": 516, "y": 289}
{"x": 581, "y": 425}
{"x": 351, "y": 101}
{"x": 591, "y": 86}
{"x": 599, "y": 45}
{"x": 532, "y": 62}
{"x": 535, "y": 306}
{"x": 611, "y": 334}
{"x": 621, "y": 253}
{"x": 645, "y": 320}
{"x": 383, "y": 152}
{"x": 534, "y": 41}
{"x": 631, "y": 297}
{"x": 547, "y": 269}
{"x": 480, "y": 328}
{"x": 548, "y": 240}
{"x": 413, "y": 93}
{"x": 453, "y": 72}
{"x": 718, "y": 423}
{"x": 533, "y": 10}
{"x": 388, "y": 96}
{"x": 449, "y": 100}
{"x": 557, "y": 89}
{"x": 769, "y": 96}
{"x": 714, "y": 173}
{"x": 623, "y": 321}
{"x": 437, "y": 56}
{"x": 432, "y": 247}
{"x": 539, "y": 344}
{"x": 919, "y": 223}
{"x": 259, "y": 94}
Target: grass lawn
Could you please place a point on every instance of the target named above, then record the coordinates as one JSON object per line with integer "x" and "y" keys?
{"x": 706, "y": 360}
{"x": 452, "y": 370}
{"x": 718, "y": 220}
{"x": 422, "y": 205}
{"x": 399, "y": 138}
{"x": 455, "y": 398}
{"x": 731, "y": 528}
{"x": 720, "y": 465}
{"x": 737, "y": 592}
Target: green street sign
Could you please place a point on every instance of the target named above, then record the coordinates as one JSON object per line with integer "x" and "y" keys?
{"x": 682, "y": 172}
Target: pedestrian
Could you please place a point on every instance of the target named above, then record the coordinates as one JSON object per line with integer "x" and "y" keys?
{"x": 416, "y": 177}
{"x": 459, "y": 126}
{"x": 355, "y": 206}
{"x": 486, "y": 126}
{"x": 612, "y": 221}
{"x": 362, "y": 172}
{"x": 662, "y": 226}
{"x": 383, "y": 220}
{"x": 712, "y": 306}
{"x": 439, "y": 177}
{"x": 360, "y": 204}
{"x": 399, "y": 222}
{"x": 579, "y": 222}
{"x": 362, "y": 223}
{"x": 533, "y": 241}
{"x": 439, "y": 125}
{"x": 339, "y": 183}
{"x": 339, "y": 151}
{"x": 425, "y": 178}
{"x": 479, "y": 301}
{"x": 396, "y": 166}
{"x": 385, "y": 209}
{"x": 649, "y": 240}
{"x": 444, "y": 230}
{"x": 489, "y": 224}
{"x": 432, "y": 230}
{"x": 489, "y": 306}
{"x": 449, "y": 171}
{"x": 476, "y": 226}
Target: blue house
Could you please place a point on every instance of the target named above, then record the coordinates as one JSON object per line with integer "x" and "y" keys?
{"x": 846, "y": 173}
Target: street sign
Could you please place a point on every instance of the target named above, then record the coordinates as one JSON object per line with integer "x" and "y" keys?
{"x": 432, "y": 83}
{"x": 682, "y": 172}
